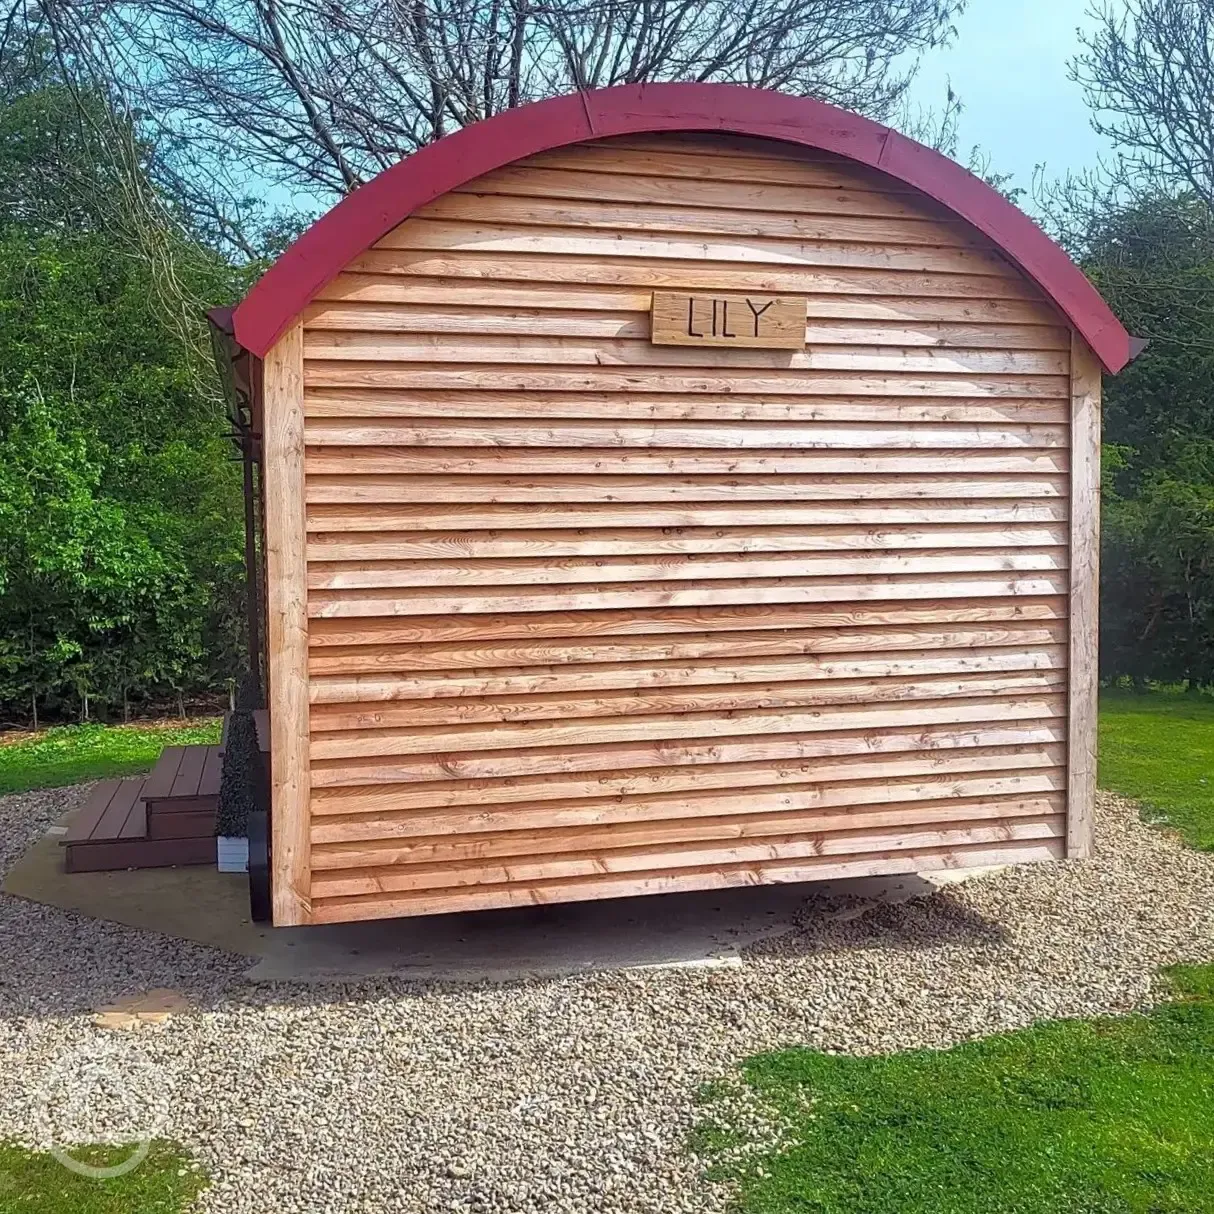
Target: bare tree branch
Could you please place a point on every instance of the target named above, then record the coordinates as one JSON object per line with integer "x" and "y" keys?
{"x": 316, "y": 96}
{"x": 1148, "y": 72}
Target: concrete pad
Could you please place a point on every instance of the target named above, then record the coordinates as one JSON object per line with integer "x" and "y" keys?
{"x": 193, "y": 903}
{"x": 211, "y": 908}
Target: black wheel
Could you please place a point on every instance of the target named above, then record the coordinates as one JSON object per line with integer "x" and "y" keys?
{"x": 259, "y": 866}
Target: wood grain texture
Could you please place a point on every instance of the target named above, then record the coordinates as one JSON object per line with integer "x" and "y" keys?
{"x": 287, "y": 618}
{"x": 589, "y": 616}
{"x": 761, "y": 322}
{"x": 415, "y": 545}
{"x": 344, "y": 854}
{"x": 602, "y": 675}
{"x": 1084, "y": 598}
{"x": 721, "y": 876}
{"x": 448, "y": 874}
{"x": 956, "y": 700}
{"x": 331, "y": 665}
{"x": 694, "y": 435}
{"x": 507, "y": 516}
{"x": 592, "y": 625}
{"x": 1033, "y": 718}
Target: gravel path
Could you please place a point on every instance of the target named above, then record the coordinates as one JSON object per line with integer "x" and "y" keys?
{"x": 562, "y": 1095}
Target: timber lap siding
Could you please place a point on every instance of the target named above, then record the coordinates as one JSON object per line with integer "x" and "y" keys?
{"x": 558, "y": 613}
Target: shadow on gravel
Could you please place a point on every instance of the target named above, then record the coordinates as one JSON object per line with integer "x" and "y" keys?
{"x": 59, "y": 962}
{"x": 925, "y": 918}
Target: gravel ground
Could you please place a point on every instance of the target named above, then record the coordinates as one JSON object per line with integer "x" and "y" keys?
{"x": 560, "y": 1095}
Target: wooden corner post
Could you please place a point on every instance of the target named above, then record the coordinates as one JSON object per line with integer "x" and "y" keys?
{"x": 1085, "y": 598}
{"x": 287, "y": 620}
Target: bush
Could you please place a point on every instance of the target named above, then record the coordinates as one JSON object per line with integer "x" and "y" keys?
{"x": 242, "y": 787}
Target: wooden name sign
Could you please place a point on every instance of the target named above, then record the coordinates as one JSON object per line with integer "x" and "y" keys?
{"x": 766, "y": 322}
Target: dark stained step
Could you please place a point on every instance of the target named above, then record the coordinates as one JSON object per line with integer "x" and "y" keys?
{"x": 182, "y": 824}
{"x": 138, "y": 853}
{"x": 185, "y": 779}
{"x": 160, "y": 781}
{"x": 114, "y": 816}
{"x": 164, "y": 818}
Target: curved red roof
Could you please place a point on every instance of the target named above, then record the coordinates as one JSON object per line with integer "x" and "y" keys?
{"x": 374, "y": 209}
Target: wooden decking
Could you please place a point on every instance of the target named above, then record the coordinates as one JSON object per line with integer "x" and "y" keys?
{"x": 164, "y": 818}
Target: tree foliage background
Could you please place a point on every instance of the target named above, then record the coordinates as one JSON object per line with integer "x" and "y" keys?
{"x": 128, "y": 208}
{"x": 1144, "y": 230}
{"x": 120, "y": 509}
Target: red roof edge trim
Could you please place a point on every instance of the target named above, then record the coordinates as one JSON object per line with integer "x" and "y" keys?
{"x": 374, "y": 209}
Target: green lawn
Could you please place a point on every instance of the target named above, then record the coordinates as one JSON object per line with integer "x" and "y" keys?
{"x": 70, "y": 754}
{"x": 1158, "y": 748}
{"x": 32, "y": 1182}
{"x": 1111, "y": 1116}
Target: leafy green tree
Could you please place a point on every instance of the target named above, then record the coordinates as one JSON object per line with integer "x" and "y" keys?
{"x": 1153, "y": 259}
{"x": 120, "y": 512}
{"x": 1143, "y": 228}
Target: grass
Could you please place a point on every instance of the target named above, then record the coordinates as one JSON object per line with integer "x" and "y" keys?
{"x": 1108, "y": 1116}
{"x": 69, "y": 754}
{"x": 1158, "y": 748}
{"x": 33, "y": 1182}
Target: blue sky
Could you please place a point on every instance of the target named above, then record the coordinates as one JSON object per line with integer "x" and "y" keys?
{"x": 1009, "y": 66}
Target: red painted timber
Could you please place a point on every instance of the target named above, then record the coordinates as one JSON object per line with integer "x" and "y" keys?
{"x": 375, "y": 208}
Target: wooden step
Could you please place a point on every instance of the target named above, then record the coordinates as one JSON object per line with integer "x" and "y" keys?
{"x": 181, "y": 823}
{"x": 106, "y": 856}
{"x": 185, "y": 778}
{"x": 153, "y": 821}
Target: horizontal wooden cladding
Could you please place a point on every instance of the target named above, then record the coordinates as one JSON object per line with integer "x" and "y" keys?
{"x": 721, "y": 378}
{"x": 754, "y": 811}
{"x": 716, "y": 877}
{"x": 1026, "y": 722}
{"x": 666, "y": 488}
{"x": 558, "y": 352}
{"x": 678, "y": 622}
{"x": 527, "y": 321}
{"x": 706, "y": 852}
{"x": 610, "y": 227}
{"x": 456, "y": 461}
{"x": 488, "y": 600}
{"x": 499, "y": 305}
{"x": 597, "y": 217}
{"x": 335, "y": 724}
{"x": 1038, "y": 690}
{"x": 850, "y": 436}
{"x": 351, "y": 813}
{"x": 629, "y": 670}
{"x": 877, "y": 252}
{"x": 682, "y": 157}
{"x": 468, "y": 269}
{"x": 583, "y": 542}
{"x": 508, "y": 516}
{"x": 350, "y": 853}
{"x": 939, "y": 789}
{"x": 600, "y": 570}
{"x": 804, "y": 809}
{"x": 723, "y": 409}
{"x": 586, "y": 184}
{"x": 604, "y": 691}
{"x": 375, "y": 658}
{"x": 590, "y": 617}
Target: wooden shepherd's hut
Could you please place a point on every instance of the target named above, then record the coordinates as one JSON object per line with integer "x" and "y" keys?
{"x": 667, "y": 488}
